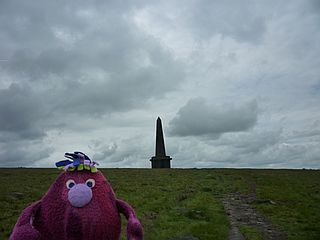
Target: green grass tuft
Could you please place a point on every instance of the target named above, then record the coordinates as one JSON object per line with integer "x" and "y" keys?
{"x": 251, "y": 233}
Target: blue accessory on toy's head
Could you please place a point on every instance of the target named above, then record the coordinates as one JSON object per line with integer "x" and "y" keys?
{"x": 80, "y": 161}
{"x": 63, "y": 163}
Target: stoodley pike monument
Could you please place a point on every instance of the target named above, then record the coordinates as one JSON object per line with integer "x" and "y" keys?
{"x": 160, "y": 160}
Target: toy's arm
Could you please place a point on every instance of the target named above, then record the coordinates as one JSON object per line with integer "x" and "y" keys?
{"x": 24, "y": 229}
{"x": 134, "y": 228}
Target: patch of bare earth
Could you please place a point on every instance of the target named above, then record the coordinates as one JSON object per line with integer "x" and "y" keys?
{"x": 239, "y": 208}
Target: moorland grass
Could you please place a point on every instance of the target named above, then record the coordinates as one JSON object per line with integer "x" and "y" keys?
{"x": 172, "y": 203}
{"x": 251, "y": 233}
{"x": 296, "y": 197}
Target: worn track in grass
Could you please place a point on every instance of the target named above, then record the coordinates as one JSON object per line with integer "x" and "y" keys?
{"x": 239, "y": 208}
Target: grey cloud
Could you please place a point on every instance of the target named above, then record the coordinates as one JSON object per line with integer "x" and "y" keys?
{"x": 23, "y": 153}
{"x": 20, "y": 113}
{"x": 313, "y": 7}
{"x": 296, "y": 155}
{"x": 103, "y": 151}
{"x": 123, "y": 92}
{"x": 249, "y": 142}
{"x": 245, "y": 21}
{"x": 110, "y": 67}
{"x": 311, "y": 131}
{"x": 132, "y": 152}
{"x": 238, "y": 20}
{"x": 306, "y": 134}
{"x": 261, "y": 149}
{"x": 32, "y": 66}
{"x": 241, "y": 21}
{"x": 197, "y": 118}
{"x": 258, "y": 149}
{"x": 68, "y": 62}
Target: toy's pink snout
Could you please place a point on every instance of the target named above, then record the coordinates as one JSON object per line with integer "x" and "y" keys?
{"x": 79, "y": 195}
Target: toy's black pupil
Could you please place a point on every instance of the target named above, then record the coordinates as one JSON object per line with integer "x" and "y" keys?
{"x": 71, "y": 185}
{"x": 89, "y": 184}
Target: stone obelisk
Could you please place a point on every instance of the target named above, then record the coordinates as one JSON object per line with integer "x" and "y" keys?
{"x": 160, "y": 160}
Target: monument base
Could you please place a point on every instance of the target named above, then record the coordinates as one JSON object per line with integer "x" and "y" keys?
{"x": 161, "y": 162}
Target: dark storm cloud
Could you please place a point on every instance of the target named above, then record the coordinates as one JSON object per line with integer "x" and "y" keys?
{"x": 72, "y": 61}
{"x": 23, "y": 125}
{"x": 82, "y": 59}
{"x": 23, "y": 153}
{"x": 197, "y": 118}
{"x": 82, "y": 44}
{"x": 20, "y": 112}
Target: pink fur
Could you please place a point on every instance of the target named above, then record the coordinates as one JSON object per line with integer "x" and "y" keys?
{"x": 54, "y": 217}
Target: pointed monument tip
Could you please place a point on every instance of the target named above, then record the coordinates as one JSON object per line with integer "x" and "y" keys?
{"x": 158, "y": 118}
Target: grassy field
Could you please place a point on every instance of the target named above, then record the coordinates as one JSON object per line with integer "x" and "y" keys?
{"x": 186, "y": 202}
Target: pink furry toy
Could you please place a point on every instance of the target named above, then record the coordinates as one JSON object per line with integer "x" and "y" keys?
{"x": 79, "y": 205}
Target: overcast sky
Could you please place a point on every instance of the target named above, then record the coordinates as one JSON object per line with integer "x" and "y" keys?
{"x": 236, "y": 83}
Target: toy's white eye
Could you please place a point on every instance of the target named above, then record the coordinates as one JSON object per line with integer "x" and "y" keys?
{"x": 90, "y": 183}
{"x": 70, "y": 183}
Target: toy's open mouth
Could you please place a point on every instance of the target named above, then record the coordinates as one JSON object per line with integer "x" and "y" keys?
{"x": 79, "y": 195}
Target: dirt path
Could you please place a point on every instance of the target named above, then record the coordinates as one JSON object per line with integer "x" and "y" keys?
{"x": 241, "y": 212}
